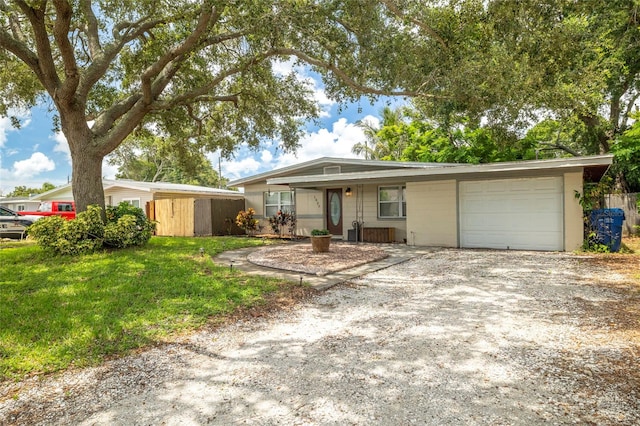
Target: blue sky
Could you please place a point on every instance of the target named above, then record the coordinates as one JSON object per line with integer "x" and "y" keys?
{"x": 34, "y": 154}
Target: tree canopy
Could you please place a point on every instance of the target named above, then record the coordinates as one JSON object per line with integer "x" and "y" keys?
{"x": 23, "y": 191}
{"x": 148, "y": 158}
{"x": 200, "y": 72}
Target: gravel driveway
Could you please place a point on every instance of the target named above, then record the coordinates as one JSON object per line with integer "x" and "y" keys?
{"x": 454, "y": 337}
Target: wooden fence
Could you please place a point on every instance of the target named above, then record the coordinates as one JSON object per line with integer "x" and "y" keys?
{"x": 628, "y": 203}
{"x": 188, "y": 217}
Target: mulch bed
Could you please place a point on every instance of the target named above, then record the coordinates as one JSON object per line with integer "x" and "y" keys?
{"x": 299, "y": 257}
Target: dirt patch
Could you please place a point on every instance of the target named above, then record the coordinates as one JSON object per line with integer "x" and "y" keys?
{"x": 299, "y": 257}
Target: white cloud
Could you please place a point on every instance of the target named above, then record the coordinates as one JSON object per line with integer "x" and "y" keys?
{"x": 266, "y": 157}
{"x": 32, "y": 166}
{"x": 6, "y": 126}
{"x": 281, "y": 67}
{"x": 336, "y": 142}
{"x": 61, "y": 144}
{"x": 108, "y": 171}
{"x": 232, "y": 169}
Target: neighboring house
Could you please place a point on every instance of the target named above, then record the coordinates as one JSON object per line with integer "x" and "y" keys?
{"x": 19, "y": 204}
{"x": 516, "y": 205}
{"x": 139, "y": 193}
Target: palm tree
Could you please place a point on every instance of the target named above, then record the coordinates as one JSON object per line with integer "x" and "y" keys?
{"x": 374, "y": 148}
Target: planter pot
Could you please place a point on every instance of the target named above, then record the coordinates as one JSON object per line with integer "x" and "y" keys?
{"x": 320, "y": 243}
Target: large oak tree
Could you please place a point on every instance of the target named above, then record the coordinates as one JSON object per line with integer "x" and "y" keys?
{"x": 202, "y": 72}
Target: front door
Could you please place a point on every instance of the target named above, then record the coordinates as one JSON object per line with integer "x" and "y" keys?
{"x": 334, "y": 211}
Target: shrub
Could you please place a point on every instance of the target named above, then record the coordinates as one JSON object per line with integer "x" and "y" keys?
{"x": 317, "y": 232}
{"x": 281, "y": 221}
{"x": 246, "y": 221}
{"x": 83, "y": 234}
{"x": 45, "y": 231}
{"x": 126, "y": 226}
{"x": 592, "y": 244}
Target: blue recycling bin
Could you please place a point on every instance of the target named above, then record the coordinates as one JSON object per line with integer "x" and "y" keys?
{"x": 607, "y": 224}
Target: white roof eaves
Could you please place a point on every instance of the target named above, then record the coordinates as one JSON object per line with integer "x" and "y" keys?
{"x": 154, "y": 187}
{"x": 560, "y": 163}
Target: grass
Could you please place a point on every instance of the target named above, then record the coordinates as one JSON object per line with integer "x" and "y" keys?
{"x": 58, "y": 312}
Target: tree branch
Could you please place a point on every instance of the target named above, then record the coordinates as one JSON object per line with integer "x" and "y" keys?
{"x": 47, "y": 74}
{"x": 340, "y": 74}
{"x": 630, "y": 104}
{"x": 561, "y": 147}
{"x": 22, "y": 52}
{"x": 192, "y": 40}
{"x": 92, "y": 28}
{"x": 60, "y": 33}
{"x": 104, "y": 58}
{"x": 400, "y": 14}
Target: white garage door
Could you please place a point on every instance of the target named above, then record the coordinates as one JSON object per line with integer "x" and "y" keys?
{"x": 520, "y": 214}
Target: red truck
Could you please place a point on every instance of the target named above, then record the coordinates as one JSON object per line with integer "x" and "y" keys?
{"x": 66, "y": 209}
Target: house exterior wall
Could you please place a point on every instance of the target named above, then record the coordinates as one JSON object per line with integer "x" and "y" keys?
{"x": 573, "y": 216}
{"x": 63, "y": 195}
{"x": 432, "y": 213}
{"x": 309, "y": 205}
{"x": 114, "y": 196}
{"x": 367, "y": 197}
{"x": 20, "y": 205}
{"x": 431, "y": 209}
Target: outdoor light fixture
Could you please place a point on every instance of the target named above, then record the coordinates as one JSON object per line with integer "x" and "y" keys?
{"x": 348, "y": 192}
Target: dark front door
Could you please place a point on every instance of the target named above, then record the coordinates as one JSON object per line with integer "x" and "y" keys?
{"x": 334, "y": 211}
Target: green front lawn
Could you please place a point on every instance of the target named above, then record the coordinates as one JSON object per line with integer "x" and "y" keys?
{"x": 56, "y": 312}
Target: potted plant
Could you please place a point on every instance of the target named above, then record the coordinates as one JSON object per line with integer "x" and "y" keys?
{"x": 320, "y": 240}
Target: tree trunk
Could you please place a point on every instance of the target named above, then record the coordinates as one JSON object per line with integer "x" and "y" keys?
{"x": 87, "y": 179}
{"x": 86, "y": 156}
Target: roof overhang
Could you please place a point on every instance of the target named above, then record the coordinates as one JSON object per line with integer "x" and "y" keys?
{"x": 331, "y": 161}
{"x": 592, "y": 166}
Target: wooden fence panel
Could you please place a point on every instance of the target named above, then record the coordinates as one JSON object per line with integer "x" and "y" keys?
{"x": 203, "y": 217}
{"x": 175, "y": 217}
{"x": 150, "y": 210}
{"x": 223, "y": 216}
{"x": 628, "y": 203}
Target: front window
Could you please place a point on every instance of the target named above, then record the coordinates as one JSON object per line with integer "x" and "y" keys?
{"x": 277, "y": 201}
{"x": 392, "y": 202}
{"x": 20, "y": 207}
{"x": 135, "y": 202}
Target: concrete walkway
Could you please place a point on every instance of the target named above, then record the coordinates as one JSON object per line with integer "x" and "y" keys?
{"x": 398, "y": 253}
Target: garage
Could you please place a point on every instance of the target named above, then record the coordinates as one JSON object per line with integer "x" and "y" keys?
{"x": 519, "y": 214}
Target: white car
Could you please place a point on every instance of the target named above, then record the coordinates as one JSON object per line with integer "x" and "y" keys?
{"x": 12, "y": 225}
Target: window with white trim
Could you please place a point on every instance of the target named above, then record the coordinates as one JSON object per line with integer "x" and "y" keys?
{"x": 20, "y": 207}
{"x": 392, "y": 202}
{"x": 135, "y": 202}
{"x": 277, "y": 201}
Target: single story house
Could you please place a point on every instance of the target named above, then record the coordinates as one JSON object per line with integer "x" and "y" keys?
{"x": 19, "y": 204}
{"x": 140, "y": 193}
{"x": 524, "y": 205}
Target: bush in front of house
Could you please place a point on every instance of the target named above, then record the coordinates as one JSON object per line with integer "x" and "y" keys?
{"x": 125, "y": 226}
{"x": 246, "y": 221}
{"x": 281, "y": 221}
